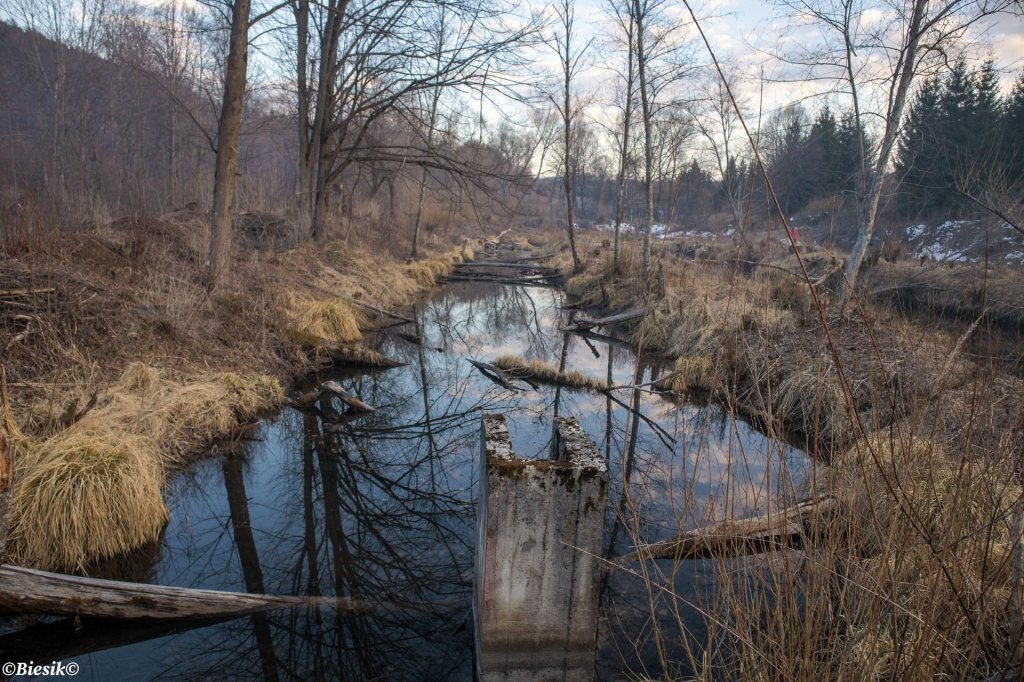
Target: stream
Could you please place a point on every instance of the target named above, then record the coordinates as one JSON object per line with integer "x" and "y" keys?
{"x": 381, "y": 509}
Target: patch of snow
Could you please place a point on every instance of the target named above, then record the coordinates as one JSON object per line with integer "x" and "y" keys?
{"x": 915, "y": 231}
{"x": 936, "y": 251}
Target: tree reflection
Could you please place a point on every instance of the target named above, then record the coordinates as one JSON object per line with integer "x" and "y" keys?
{"x": 380, "y": 507}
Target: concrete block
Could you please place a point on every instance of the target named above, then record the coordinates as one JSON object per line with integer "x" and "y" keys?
{"x": 540, "y": 528}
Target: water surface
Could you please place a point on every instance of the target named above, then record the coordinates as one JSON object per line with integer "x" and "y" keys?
{"x": 381, "y": 508}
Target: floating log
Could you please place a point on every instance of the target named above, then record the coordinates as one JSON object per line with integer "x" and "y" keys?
{"x": 735, "y": 537}
{"x": 585, "y": 324}
{"x": 27, "y": 590}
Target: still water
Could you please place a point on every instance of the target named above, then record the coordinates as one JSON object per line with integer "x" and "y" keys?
{"x": 381, "y": 509}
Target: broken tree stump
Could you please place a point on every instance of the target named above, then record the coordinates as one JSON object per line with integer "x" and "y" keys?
{"x": 540, "y": 526}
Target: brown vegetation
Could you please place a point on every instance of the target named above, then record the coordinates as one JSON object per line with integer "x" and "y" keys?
{"x": 122, "y": 366}
{"x": 517, "y": 367}
{"x": 918, "y": 419}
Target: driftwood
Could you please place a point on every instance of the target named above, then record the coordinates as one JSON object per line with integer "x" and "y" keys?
{"x": 26, "y": 590}
{"x": 495, "y": 374}
{"x": 584, "y": 324}
{"x": 381, "y": 311}
{"x": 786, "y": 528}
{"x": 309, "y": 399}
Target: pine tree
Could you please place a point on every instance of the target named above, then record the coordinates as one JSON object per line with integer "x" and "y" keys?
{"x": 850, "y": 139}
{"x": 1012, "y": 130}
{"x": 822, "y": 155}
{"x": 918, "y": 157}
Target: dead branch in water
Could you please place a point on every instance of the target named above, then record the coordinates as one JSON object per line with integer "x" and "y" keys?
{"x": 333, "y": 388}
{"x": 495, "y": 374}
{"x": 782, "y": 529}
{"x": 584, "y": 324}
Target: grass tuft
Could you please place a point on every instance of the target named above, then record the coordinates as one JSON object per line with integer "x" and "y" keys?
{"x": 535, "y": 369}
{"x": 332, "y": 320}
{"x": 84, "y": 495}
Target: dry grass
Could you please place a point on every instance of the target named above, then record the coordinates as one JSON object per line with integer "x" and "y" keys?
{"x": 812, "y": 401}
{"x": 913, "y": 579}
{"x": 84, "y": 495}
{"x": 333, "y": 320}
{"x": 516, "y": 366}
{"x": 94, "y": 489}
{"x": 691, "y": 373}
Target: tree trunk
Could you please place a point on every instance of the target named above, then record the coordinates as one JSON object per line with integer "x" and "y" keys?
{"x": 905, "y": 75}
{"x": 568, "y": 185}
{"x": 645, "y": 107}
{"x": 627, "y": 119}
{"x": 228, "y": 128}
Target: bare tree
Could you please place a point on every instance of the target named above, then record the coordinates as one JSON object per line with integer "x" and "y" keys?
{"x": 361, "y": 66}
{"x": 876, "y": 49}
{"x": 570, "y": 58}
{"x": 433, "y": 97}
{"x": 624, "y": 37}
{"x": 228, "y": 127}
{"x": 717, "y": 124}
{"x": 660, "y": 52}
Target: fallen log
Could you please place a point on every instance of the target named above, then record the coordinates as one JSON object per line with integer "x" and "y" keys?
{"x": 786, "y": 528}
{"x": 27, "y": 590}
{"x": 544, "y": 282}
{"x": 381, "y": 311}
{"x": 584, "y": 324}
{"x": 510, "y": 265}
{"x": 352, "y": 401}
{"x": 310, "y": 398}
{"x": 495, "y": 374}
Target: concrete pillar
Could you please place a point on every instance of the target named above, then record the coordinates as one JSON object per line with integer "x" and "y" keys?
{"x": 540, "y": 527}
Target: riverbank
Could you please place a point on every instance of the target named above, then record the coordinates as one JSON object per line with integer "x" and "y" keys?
{"x": 919, "y": 423}
{"x": 121, "y": 366}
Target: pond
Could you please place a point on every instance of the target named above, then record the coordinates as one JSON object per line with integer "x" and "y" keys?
{"x": 381, "y": 509}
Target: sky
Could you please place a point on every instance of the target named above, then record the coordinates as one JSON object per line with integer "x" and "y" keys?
{"x": 747, "y": 36}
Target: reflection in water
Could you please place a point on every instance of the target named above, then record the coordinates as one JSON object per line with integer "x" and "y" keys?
{"x": 381, "y": 508}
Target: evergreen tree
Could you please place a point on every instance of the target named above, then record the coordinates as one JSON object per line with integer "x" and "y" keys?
{"x": 849, "y": 142}
{"x": 822, "y": 155}
{"x": 918, "y": 157}
{"x": 1012, "y": 130}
